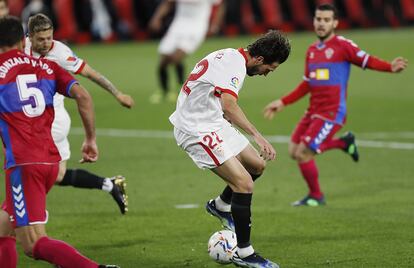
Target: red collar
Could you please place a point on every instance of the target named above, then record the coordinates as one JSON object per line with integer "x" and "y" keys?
{"x": 241, "y": 50}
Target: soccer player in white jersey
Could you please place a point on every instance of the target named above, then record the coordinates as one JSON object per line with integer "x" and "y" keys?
{"x": 207, "y": 99}
{"x": 40, "y": 43}
{"x": 185, "y": 34}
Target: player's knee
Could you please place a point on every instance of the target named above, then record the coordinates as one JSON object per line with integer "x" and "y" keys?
{"x": 28, "y": 249}
{"x": 259, "y": 167}
{"x": 245, "y": 185}
{"x": 60, "y": 176}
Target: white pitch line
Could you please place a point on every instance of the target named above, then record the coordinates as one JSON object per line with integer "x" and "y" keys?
{"x": 186, "y": 206}
{"x": 162, "y": 134}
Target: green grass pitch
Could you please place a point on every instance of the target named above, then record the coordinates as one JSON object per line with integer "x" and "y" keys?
{"x": 369, "y": 219}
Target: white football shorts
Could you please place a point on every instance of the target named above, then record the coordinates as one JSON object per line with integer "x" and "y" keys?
{"x": 60, "y": 132}
{"x": 212, "y": 149}
{"x": 178, "y": 39}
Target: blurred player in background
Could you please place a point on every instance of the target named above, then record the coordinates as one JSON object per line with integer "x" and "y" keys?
{"x": 40, "y": 44}
{"x": 209, "y": 96}
{"x": 31, "y": 157}
{"x": 185, "y": 34}
{"x": 327, "y": 70}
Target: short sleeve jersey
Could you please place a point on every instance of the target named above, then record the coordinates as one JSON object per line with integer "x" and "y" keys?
{"x": 199, "y": 107}
{"x": 63, "y": 56}
{"x": 27, "y": 87}
{"x": 327, "y": 70}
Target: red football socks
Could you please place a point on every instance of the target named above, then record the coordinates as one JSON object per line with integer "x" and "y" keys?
{"x": 8, "y": 254}
{"x": 332, "y": 144}
{"x": 310, "y": 174}
{"x": 60, "y": 253}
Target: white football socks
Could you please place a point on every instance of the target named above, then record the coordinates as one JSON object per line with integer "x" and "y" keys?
{"x": 107, "y": 185}
{"x": 221, "y": 205}
{"x": 244, "y": 252}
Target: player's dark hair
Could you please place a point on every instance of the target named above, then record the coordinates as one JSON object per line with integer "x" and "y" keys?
{"x": 328, "y": 7}
{"x": 39, "y": 23}
{"x": 274, "y": 46}
{"x": 11, "y": 31}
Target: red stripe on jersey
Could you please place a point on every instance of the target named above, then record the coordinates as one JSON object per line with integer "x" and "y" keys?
{"x": 241, "y": 50}
{"x": 210, "y": 153}
{"x": 81, "y": 68}
{"x": 218, "y": 91}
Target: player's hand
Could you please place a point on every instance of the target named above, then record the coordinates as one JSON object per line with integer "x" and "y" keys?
{"x": 89, "y": 152}
{"x": 399, "y": 64}
{"x": 125, "y": 100}
{"x": 267, "y": 152}
{"x": 272, "y": 108}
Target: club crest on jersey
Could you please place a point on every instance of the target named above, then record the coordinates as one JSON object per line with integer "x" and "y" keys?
{"x": 329, "y": 53}
{"x": 235, "y": 82}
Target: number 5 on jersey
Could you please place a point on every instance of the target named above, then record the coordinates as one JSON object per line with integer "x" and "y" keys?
{"x": 26, "y": 93}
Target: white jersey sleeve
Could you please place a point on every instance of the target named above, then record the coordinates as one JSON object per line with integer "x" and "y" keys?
{"x": 59, "y": 53}
{"x": 65, "y": 57}
{"x": 229, "y": 72}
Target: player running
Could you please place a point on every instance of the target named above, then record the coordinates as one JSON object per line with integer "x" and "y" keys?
{"x": 40, "y": 44}
{"x": 327, "y": 70}
{"x": 27, "y": 86}
{"x": 185, "y": 34}
{"x": 208, "y": 97}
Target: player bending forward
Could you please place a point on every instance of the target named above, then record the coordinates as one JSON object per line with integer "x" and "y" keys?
{"x": 210, "y": 95}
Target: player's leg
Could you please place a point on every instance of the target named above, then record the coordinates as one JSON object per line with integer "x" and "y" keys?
{"x": 253, "y": 163}
{"x": 8, "y": 253}
{"x": 310, "y": 173}
{"x": 177, "y": 58}
{"x": 26, "y": 188}
{"x": 78, "y": 177}
{"x": 240, "y": 181}
{"x": 346, "y": 143}
{"x": 81, "y": 178}
{"x": 299, "y": 151}
{"x": 168, "y": 45}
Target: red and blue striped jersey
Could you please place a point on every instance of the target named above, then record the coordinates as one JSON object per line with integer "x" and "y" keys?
{"x": 27, "y": 87}
{"x": 327, "y": 71}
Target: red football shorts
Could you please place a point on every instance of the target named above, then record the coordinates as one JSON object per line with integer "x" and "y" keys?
{"x": 26, "y": 189}
{"x": 314, "y": 131}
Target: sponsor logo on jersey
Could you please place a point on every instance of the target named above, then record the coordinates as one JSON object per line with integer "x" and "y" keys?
{"x": 326, "y": 129}
{"x": 235, "y": 82}
{"x": 329, "y": 53}
{"x": 71, "y": 59}
{"x": 320, "y": 74}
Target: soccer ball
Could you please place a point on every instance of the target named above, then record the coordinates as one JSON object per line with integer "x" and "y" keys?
{"x": 222, "y": 245}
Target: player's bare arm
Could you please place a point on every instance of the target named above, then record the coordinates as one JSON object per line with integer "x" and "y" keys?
{"x": 125, "y": 100}
{"x": 85, "y": 108}
{"x": 163, "y": 9}
{"x": 235, "y": 114}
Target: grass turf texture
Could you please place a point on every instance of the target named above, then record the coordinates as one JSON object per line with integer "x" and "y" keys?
{"x": 368, "y": 222}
